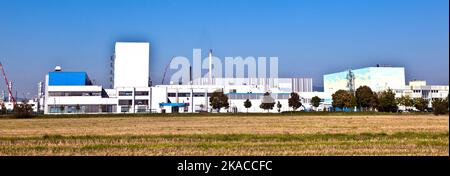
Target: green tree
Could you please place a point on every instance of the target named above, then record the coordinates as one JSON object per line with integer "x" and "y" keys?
{"x": 294, "y": 101}
{"x": 374, "y": 101}
{"x": 440, "y": 106}
{"x": 405, "y": 101}
{"x": 315, "y": 101}
{"x": 219, "y": 100}
{"x": 279, "y": 106}
{"x": 267, "y": 102}
{"x": 247, "y": 104}
{"x": 343, "y": 99}
{"x": 364, "y": 96}
{"x": 387, "y": 101}
{"x": 421, "y": 104}
{"x": 23, "y": 110}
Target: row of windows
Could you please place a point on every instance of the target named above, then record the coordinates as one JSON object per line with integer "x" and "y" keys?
{"x": 130, "y": 102}
{"x": 432, "y": 91}
{"x": 130, "y": 93}
{"x": 82, "y": 108}
{"x": 73, "y": 94}
{"x": 188, "y": 94}
{"x": 256, "y": 96}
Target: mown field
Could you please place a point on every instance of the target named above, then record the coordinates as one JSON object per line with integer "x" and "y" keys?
{"x": 228, "y": 135}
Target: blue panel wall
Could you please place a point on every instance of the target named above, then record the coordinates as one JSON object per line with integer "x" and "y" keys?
{"x": 68, "y": 79}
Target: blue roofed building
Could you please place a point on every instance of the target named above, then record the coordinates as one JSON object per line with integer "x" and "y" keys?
{"x": 73, "y": 92}
{"x": 59, "y": 78}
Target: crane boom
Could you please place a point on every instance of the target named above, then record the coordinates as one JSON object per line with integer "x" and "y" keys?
{"x": 6, "y": 81}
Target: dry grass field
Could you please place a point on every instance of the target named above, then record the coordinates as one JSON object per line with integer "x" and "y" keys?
{"x": 228, "y": 135}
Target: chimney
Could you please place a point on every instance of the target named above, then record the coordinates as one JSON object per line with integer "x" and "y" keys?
{"x": 210, "y": 66}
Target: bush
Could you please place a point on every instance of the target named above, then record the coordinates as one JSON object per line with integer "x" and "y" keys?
{"x": 387, "y": 101}
{"x": 440, "y": 106}
{"x": 4, "y": 111}
{"x": 23, "y": 111}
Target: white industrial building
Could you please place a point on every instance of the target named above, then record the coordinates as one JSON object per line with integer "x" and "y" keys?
{"x": 130, "y": 90}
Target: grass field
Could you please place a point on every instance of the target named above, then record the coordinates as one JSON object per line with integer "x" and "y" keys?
{"x": 228, "y": 135}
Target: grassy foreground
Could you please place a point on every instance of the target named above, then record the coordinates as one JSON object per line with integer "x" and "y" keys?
{"x": 227, "y": 135}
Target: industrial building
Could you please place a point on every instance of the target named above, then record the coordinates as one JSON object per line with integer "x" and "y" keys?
{"x": 130, "y": 90}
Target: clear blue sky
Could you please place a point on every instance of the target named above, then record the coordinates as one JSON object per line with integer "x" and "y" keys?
{"x": 310, "y": 37}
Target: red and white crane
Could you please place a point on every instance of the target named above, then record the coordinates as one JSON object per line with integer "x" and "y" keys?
{"x": 7, "y": 85}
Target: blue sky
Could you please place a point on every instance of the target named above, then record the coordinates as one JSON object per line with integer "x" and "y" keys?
{"x": 310, "y": 37}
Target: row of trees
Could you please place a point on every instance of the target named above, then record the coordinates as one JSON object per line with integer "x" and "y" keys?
{"x": 294, "y": 102}
{"x": 367, "y": 100}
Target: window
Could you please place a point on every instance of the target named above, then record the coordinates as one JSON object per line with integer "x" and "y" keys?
{"x": 172, "y": 95}
{"x": 125, "y": 93}
{"x": 90, "y": 94}
{"x": 141, "y": 93}
{"x": 184, "y": 94}
{"x": 199, "y": 94}
{"x": 125, "y": 102}
{"x": 141, "y": 102}
{"x": 124, "y": 109}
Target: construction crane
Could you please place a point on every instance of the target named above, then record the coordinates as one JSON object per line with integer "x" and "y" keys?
{"x": 7, "y": 83}
{"x": 165, "y": 71}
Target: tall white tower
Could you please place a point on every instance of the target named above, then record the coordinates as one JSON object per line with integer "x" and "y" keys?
{"x": 131, "y": 64}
